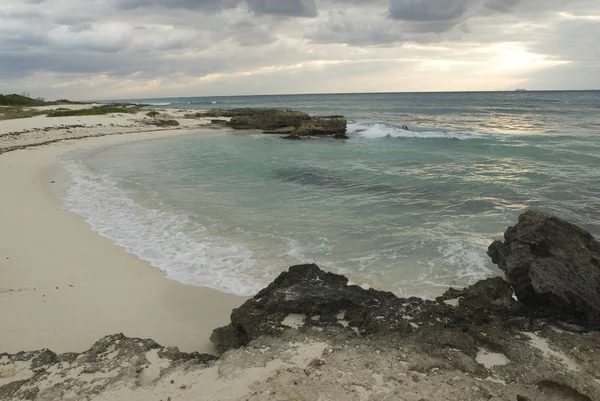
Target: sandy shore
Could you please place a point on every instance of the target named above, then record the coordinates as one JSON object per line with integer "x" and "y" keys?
{"x": 27, "y": 132}
{"x": 62, "y": 286}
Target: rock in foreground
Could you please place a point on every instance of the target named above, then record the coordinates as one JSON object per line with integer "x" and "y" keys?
{"x": 486, "y": 336}
{"x": 552, "y": 264}
{"x": 113, "y": 360}
{"x": 309, "y": 335}
{"x": 325, "y": 301}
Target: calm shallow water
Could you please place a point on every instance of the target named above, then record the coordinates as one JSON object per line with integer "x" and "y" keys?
{"x": 406, "y": 211}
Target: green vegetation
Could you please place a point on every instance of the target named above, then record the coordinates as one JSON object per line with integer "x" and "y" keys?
{"x": 94, "y": 111}
{"x": 24, "y": 101}
{"x": 19, "y": 100}
{"x": 20, "y": 106}
{"x": 11, "y": 113}
{"x": 152, "y": 113}
{"x": 64, "y": 101}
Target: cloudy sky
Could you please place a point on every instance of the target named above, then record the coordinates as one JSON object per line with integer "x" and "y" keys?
{"x": 105, "y": 49}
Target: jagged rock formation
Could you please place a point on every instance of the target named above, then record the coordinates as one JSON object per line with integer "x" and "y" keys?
{"x": 325, "y": 300}
{"x": 322, "y": 298}
{"x": 293, "y": 123}
{"x": 483, "y": 331}
{"x": 552, "y": 264}
{"x": 309, "y": 335}
{"x": 44, "y": 375}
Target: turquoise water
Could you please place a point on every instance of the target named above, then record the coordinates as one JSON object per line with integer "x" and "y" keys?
{"x": 412, "y": 212}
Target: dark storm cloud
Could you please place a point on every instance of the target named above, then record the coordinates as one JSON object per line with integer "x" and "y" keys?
{"x": 73, "y": 19}
{"x": 28, "y": 14}
{"x": 355, "y": 30}
{"x": 323, "y": 40}
{"x": 18, "y": 65}
{"x": 501, "y": 5}
{"x": 427, "y": 21}
{"x": 21, "y": 43}
{"x": 249, "y": 33}
{"x": 428, "y": 10}
{"x": 420, "y": 21}
{"x": 204, "y": 5}
{"x": 289, "y": 8}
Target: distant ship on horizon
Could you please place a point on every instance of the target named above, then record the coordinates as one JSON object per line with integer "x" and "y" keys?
{"x": 520, "y": 90}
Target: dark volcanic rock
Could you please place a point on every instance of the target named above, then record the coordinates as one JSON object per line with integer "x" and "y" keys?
{"x": 274, "y": 121}
{"x": 318, "y": 126}
{"x": 292, "y": 137}
{"x": 268, "y": 119}
{"x": 483, "y": 301}
{"x": 552, "y": 264}
{"x": 491, "y": 294}
{"x": 325, "y": 300}
{"x": 227, "y": 112}
{"x": 163, "y": 123}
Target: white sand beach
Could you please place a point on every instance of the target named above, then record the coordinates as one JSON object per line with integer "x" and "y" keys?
{"x": 63, "y": 286}
{"x": 42, "y": 129}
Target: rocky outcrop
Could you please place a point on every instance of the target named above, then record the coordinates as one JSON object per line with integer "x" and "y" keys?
{"x": 479, "y": 333}
{"x": 490, "y": 296}
{"x": 163, "y": 122}
{"x": 325, "y": 300}
{"x": 318, "y": 298}
{"x": 113, "y": 359}
{"x": 290, "y": 122}
{"x": 310, "y": 335}
{"x": 553, "y": 265}
{"x": 292, "y": 137}
{"x": 269, "y": 119}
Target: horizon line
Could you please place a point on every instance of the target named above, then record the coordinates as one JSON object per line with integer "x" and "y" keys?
{"x": 518, "y": 90}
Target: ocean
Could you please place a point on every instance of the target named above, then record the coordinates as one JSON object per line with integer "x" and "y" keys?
{"x": 412, "y": 212}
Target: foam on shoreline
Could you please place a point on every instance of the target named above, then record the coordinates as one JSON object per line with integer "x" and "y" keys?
{"x": 63, "y": 286}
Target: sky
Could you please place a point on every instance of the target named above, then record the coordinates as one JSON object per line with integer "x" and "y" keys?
{"x": 109, "y": 49}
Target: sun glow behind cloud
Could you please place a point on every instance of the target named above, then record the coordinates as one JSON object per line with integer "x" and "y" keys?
{"x": 514, "y": 57}
{"x": 569, "y": 16}
{"x": 143, "y": 48}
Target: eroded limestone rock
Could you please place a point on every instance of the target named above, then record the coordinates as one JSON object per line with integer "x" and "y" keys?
{"x": 44, "y": 375}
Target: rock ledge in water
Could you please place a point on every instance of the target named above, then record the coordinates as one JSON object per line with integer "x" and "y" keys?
{"x": 273, "y": 121}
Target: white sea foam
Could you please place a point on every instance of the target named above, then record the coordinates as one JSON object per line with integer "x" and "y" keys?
{"x": 469, "y": 258}
{"x": 460, "y": 264}
{"x": 171, "y": 242}
{"x": 379, "y": 130}
{"x": 158, "y": 104}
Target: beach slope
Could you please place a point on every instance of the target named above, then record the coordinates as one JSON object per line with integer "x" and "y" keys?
{"x": 62, "y": 286}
